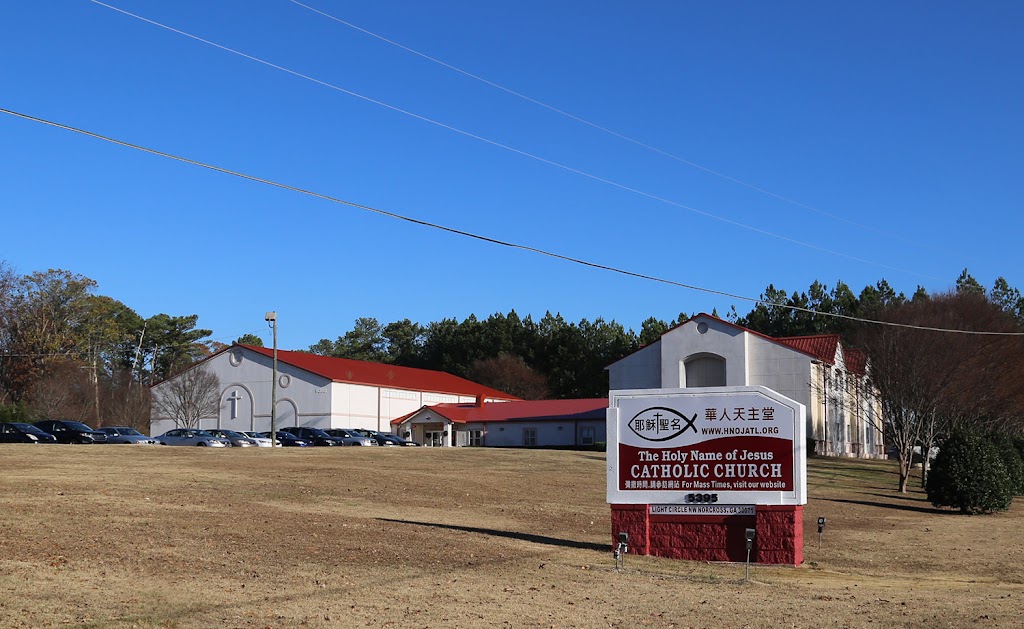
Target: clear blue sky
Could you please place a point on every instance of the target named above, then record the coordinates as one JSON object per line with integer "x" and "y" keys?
{"x": 899, "y": 124}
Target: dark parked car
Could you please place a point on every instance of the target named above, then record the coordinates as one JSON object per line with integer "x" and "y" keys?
{"x": 71, "y": 432}
{"x": 314, "y": 436}
{"x": 288, "y": 440}
{"x": 350, "y": 437}
{"x": 17, "y": 432}
{"x": 124, "y": 434}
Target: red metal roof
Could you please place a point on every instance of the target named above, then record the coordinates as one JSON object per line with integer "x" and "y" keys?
{"x": 821, "y": 346}
{"x": 523, "y": 410}
{"x": 856, "y": 360}
{"x": 380, "y": 374}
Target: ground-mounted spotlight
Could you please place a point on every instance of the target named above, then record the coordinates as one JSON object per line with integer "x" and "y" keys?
{"x": 620, "y": 551}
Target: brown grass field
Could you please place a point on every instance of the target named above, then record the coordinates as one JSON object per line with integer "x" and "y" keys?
{"x": 123, "y": 536}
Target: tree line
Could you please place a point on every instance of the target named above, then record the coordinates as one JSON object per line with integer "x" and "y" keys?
{"x": 67, "y": 352}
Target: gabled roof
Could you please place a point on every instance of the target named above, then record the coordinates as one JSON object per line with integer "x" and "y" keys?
{"x": 522, "y": 410}
{"x": 380, "y": 374}
{"x": 820, "y": 346}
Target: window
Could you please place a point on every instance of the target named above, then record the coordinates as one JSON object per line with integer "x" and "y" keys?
{"x": 529, "y": 437}
{"x": 587, "y": 435}
{"x": 476, "y": 438}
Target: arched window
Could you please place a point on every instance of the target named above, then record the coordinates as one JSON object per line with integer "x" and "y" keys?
{"x": 704, "y": 370}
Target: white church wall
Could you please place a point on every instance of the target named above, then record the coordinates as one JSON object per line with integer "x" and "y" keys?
{"x": 639, "y": 370}
{"x": 703, "y": 336}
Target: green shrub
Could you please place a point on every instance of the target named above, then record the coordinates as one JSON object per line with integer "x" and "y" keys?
{"x": 969, "y": 474}
{"x": 1012, "y": 461}
{"x": 16, "y": 413}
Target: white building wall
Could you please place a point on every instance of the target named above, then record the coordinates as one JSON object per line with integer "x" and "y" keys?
{"x": 702, "y": 336}
{"x": 781, "y": 369}
{"x": 639, "y": 370}
{"x": 245, "y": 377}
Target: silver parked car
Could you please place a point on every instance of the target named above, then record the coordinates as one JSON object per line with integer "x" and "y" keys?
{"x": 237, "y": 439}
{"x": 192, "y": 437}
{"x": 124, "y": 434}
{"x": 350, "y": 437}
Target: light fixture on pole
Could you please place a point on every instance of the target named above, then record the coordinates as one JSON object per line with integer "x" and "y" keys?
{"x": 271, "y": 318}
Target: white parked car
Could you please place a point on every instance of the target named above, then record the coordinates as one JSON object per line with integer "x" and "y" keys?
{"x": 192, "y": 437}
{"x": 261, "y": 441}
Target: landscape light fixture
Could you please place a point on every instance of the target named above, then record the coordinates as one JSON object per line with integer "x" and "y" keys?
{"x": 750, "y": 534}
{"x": 821, "y": 527}
{"x": 271, "y": 318}
{"x": 620, "y": 551}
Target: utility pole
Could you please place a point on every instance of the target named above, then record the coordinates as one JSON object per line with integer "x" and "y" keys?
{"x": 271, "y": 318}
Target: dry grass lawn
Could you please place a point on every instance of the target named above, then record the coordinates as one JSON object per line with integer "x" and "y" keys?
{"x": 122, "y": 536}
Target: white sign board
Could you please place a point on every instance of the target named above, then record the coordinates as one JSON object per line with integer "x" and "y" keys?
{"x": 720, "y": 445}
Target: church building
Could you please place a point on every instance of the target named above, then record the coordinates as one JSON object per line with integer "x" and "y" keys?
{"x": 319, "y": 391}
{"x": 828, "y": 378}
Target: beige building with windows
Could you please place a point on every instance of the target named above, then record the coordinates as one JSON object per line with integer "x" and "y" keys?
{"x": 828, "y": 378}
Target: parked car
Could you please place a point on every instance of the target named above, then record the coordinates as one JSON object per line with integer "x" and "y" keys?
{"x": 261, "y": 441}
{"x": 350, "y": 437}
{"x": 192, "y": 437}
{"x": 398, "y": 441}
{"x": 236, "y": 439}
{"x": 289, "y": 440}
{"x": 17, "y": 432}
{"x": 71, "y": 432}
{"x": 369, "y": 434}
{"x": 314, "y": 436}
{"x": 124, "y": 434}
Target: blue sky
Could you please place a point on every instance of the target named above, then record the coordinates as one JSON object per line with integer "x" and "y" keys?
{"x": 891, "y": 131}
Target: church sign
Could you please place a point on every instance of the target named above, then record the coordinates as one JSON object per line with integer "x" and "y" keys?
{"x": 714, "y": 446}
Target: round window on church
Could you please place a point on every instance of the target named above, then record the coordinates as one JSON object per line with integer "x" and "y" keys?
{"x": 235, "y": 358}
{"x": 702, "y": 328}
{"x": 284, "y": 380}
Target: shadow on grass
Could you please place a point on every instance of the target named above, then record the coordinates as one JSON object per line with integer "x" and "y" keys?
{"x": 884, "y": 505}
{"x": 526, "y": 537}
{"x": 907, "y": 497}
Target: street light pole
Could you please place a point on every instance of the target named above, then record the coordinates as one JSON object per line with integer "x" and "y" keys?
{"x": 272, "y": 320}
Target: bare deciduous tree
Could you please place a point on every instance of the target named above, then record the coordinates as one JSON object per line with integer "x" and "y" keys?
{"x": 510, "y": 374}
{"x": 188, "y": 397}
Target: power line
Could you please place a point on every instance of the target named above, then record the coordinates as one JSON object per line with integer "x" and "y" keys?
{"x": 602, "y": 128}
{"x": 487, "y": 239}
{"x": 512, "y": 149}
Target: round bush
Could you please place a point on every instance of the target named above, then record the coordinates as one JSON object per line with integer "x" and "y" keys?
{"x": 969, "y": 474}
{"x": 1012, "y": 461}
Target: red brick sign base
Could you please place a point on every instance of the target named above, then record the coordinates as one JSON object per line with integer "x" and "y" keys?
{"x": 780, "y": 534}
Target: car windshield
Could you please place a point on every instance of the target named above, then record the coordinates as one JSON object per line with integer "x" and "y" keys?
{"x": 232, "y": 434}
{"x": 77, "y": 426}
{"x": 29, "y": 428}
{"x": 316, "y": 432}
{"x": 202, "y": 433}
{"x": 254, "y": 435}
{"x": 127, "y": 431}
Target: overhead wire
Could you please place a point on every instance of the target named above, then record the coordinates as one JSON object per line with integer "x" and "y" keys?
{"x": 487, "y": 239}
{"x": 599, "y": 127}
{"x": 512, "y": 149}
